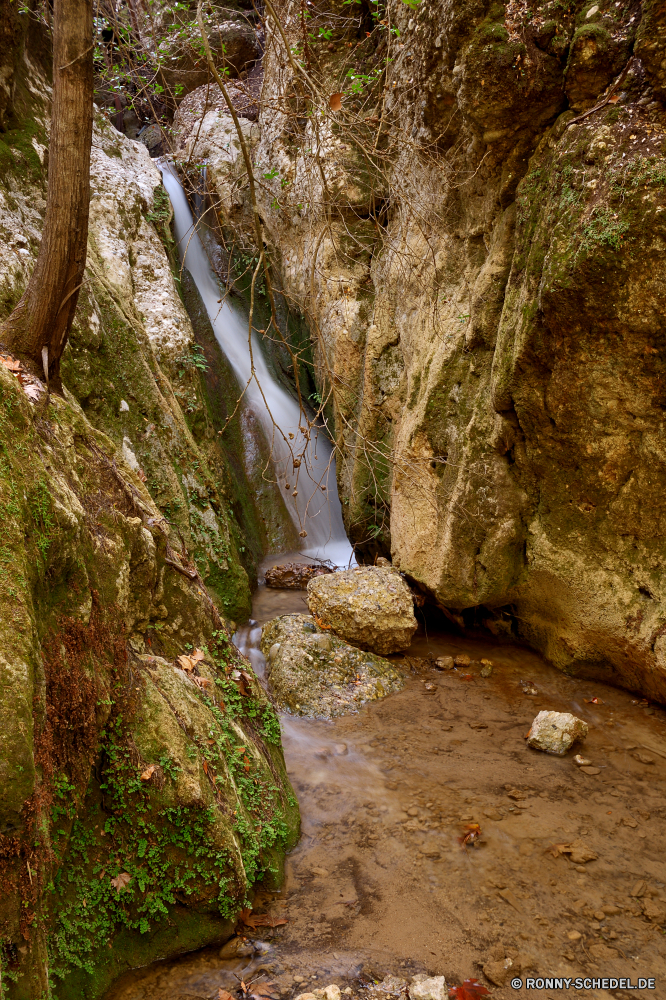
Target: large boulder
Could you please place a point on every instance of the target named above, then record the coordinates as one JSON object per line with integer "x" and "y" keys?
{"x": 369, "y": 606}
{"x": 314, "y": 673}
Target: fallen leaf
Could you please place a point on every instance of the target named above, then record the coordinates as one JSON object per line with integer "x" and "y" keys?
{"x": 197, "y": 655}
{"x": 186, "y": 662}
{"x": 11, "y": 364}
{"x": 471, "y": 989}
{"x": 223, "y": 995}
{"x": 263, "y": 991}
{"x": 148, "y": 773}
{"x": 203, "y": 682}
{"x": 205, "y": 766}
{"x": 254, "y": 920}
{"x": 471, "y": 833}
{"x": 121, "y": 881}
{"x": 557, "y": 849}
{"x": 335, "y": 102}
{"x": 33, "y": 392}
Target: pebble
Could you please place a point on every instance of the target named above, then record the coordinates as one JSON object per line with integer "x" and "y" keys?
{"x": 444, "y": 663}
{"x": 581, "y": 761}
{"x": 591, "y": 770}
{"x": 462, "y": 660}
{"x": 574, "y": 935}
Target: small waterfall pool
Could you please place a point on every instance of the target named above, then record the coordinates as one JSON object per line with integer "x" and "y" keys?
{"x": 302, "y": 456}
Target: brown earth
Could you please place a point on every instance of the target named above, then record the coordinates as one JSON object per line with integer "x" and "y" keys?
{"x": 380, "y": 882}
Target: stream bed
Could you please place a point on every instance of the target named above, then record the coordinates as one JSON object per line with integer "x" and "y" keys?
{"x": 380, "y": 883}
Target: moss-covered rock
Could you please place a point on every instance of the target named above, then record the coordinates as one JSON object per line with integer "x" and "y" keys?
{"x": 140, "y": 801}
{"x": 315, "y": 673}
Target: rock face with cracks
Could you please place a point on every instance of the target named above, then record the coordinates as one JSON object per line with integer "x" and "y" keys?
{"x": 556, "y": 732}
{"x": 368, "y": 606}
{"x": 499, "y": 401}
{"x": 315, "y": 673}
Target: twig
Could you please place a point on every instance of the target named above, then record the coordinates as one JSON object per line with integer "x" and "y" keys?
{"x": 605, "y": 101}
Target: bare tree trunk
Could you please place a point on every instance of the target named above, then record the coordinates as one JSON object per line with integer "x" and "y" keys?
{"x": 37, "y": 329}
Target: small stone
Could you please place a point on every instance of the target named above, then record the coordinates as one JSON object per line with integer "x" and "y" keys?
{"x": 322, "y": 872}
{"x": 580, "y": 868}
{"x": 498, "y": 972}
{"x": 581, "y": 761}
{"x": 332, "y": 992}
{"x": 124, "y": 406}
{"x": 429, "y": 989}
{"x": 638, "y": 890}
{"x": 599, "y": 915}
{"x": 340, "y": 749}
{"x": 486, "y": 669}
{"x": 643, "y": 758}
{"x": 236, "y": 947}
{"x": 592, "y": 11}
{"x": 574, "y": 935}
{"x": 555, "y": 732}
{"x": 462, "y": 660}
{"x": 591, "y": 770}
{"x": 444, "y": 663}
{"x": 413, "y": 811}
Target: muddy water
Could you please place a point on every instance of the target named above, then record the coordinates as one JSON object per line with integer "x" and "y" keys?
{"x": 380, "y": 882}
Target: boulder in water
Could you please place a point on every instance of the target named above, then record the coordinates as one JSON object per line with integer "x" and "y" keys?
{"x": 294, "y": 576}
{"x": 556, "y": 732}
{"x": 314, "y": 673}
{"x": 369, "y": 606}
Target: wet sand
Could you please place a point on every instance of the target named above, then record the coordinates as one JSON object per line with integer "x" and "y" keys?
{"x": 379, "y": 881}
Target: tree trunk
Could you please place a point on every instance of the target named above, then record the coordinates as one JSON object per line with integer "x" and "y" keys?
{"x": 37, "y": 329}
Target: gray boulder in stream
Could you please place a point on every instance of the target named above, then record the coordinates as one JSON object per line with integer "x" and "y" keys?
{"x": 370, "y": 606}
{"x": 315, "y": 673}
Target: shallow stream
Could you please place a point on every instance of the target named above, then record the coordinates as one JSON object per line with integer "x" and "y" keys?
{"x": 380, "y": 882}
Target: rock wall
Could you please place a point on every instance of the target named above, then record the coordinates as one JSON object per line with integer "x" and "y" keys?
{"x": 481, "y": 270}
{"x": 142, "y": 793}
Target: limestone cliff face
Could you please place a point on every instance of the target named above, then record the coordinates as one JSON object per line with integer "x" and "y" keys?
{"x": 486, "y": 301}
{"x": 141, "y": 795}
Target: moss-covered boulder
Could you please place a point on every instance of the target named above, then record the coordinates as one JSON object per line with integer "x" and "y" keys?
{"x": 142, "y": 795}
{"x": 313, "y": 672}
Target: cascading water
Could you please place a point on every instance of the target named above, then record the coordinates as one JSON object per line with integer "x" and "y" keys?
{"x": 315, "y": 507}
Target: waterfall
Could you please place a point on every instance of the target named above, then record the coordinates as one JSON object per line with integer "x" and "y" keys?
{"x": 316, "y": 507}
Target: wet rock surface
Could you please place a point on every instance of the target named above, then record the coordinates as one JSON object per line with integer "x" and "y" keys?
{"x": 369, "y": 606}
{"x": 312, "y": 672}
{"x": 293, "y": 576}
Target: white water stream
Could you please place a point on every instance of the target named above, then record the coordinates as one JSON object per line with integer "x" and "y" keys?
{"x": 312, "y": 497}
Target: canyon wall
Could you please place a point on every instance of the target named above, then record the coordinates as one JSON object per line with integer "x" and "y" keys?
{"x": 481, "y": 266}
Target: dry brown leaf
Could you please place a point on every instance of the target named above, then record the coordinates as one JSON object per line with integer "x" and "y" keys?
{"x": 263, "y": 991}
{"x": 255, "y": 920}
{"x": 148, "y": 773}
{"x": 186, "y": 662}
{"x": 121, "y": 881}
{"x": 557, "y": 849}
{"x": 205, "y": 766}
{"x": 203, "y": 682}
{"x": 11, "y": 364}
{"x": 224, "y": 995}
{"x": 335, "y": 102}
{"x": 197, "y": 655}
